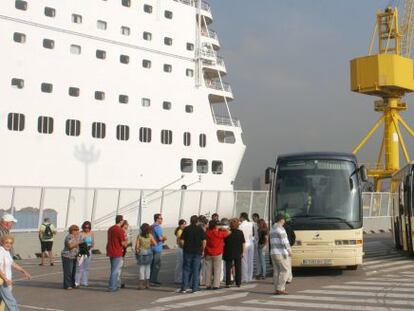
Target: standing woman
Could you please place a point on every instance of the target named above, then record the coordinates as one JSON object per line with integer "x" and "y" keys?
{"x": 233, "y": 251}
{"x": 125, "y": 227}
{"x": 143, "y": 252}
{"x": 6, "y": 264}
{"x": 69, "y": 257}
{"x": 263, "y": 239}
{"x": 179, "y": 266}
{"x": 85, "y": 254}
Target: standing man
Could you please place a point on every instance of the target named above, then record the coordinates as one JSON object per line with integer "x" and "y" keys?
{"x": 292, "y": 239}
{"x": 255, "y": 218}
{"x": 159, "y": 238}
{"x": 6, "y": 224}
{"x": 248, "y": 255}
{"x": 47, "y": 231}
{"x": 193, "y": 241}
{"x": 280, "y": 251}
{"x": 114, "y": 250}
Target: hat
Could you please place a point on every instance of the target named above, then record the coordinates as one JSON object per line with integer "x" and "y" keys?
{"x": 8, "y": 218}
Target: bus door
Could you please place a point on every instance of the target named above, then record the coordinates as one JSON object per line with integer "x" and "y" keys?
{"x": 408, "y": 212}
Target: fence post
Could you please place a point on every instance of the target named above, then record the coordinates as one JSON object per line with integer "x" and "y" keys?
{"x": 181, "y": 204}
{"x": 95, "y": 195}
{"x": 41, "y": 203}
{"x": 12, "y": 209}
{"x": 234, "y": 204}
{"x": 251, "y": 204}
{"x": 139, "y": 217}
{"x": 118, "y": 202}
{"x": 200, "y": 202}
{"x": 68, "y": 208}
{"x": 370, "y": 205}
{"x": 218, "y": 200}
{"x": 162, "y": 202}
{"x": 265, "y": 207}
{"x": 389, "y": 204}
{"x": 380, "y": 205}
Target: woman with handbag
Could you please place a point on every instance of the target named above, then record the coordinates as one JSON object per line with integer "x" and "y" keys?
{"x": 84, "y": 257}
{"x": 143, "y": 254}
{"x": 6, "y": 265}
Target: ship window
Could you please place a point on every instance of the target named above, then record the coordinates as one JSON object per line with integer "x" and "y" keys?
{"x": 187, "y": 139}
{"x": 101, "y": 25}
{"x": 50, "y": 12}
{"x": 166, "y": 137}
{"x": 74, "y": 91}
{"x": 145, "y": 134}
{"x": 122, "y": 132}
{"x": 166, "y": 105}
{"x": 147, "y": 8}
{"x": 123, "y": 99}
{"x": 46, "y": 87}
{"x": 226, "y": 137}
{"x": 73, "y": 127}
{"x": 45, "y": 125}
{"x": 17, "y": 83}
{"x": 76, "y": 18}
{"x": 146, "y": 63}
{"x": 126, "y": 3}
{"x": 19, "y": 37}
{"x": 99, "y": 95}
{"x": 75, "y": 49}
{"x": 98, "y": 130}
{"x": 202, "y": 166}
{"x": 126, "y": 31}
{"x": 189, "y": 72}
{"x": 189, "y": 108}
{"x": 20, "y": 5}
{"x": 147, "y": 36}
{"x": 202, "y": 140}
{"x": 190, "y": 46}
{"x": 146, "y": 102}
{"x": 101, "y": 54}
{"x": 168, "y": 41}
{"x": 168, "y": 14}
{"x": 167, "y": 68}
{"x": 48, "y": 44}
{"x": 186, "y": 165}
{"x": 15, "y": 121}
{"x": 217, "y": 167}
{"x": 124, "y": 59}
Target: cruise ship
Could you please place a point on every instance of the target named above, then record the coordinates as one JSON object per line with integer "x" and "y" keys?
{"x": 126, "y": 94}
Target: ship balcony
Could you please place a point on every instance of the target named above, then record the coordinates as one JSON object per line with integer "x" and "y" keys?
{"x": 218, "y": 90}
{"x": 210, "y": 36}
{"x": 227, "y": 121}
{"x": 205, "y": 9}
{"x": 213, "y": 64}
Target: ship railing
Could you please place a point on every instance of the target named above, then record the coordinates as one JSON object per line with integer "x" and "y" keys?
{"x": 218, "y": 85}
{"x": 209, "y": 33}
{"x": 204, "y": 5}
{"x": 222, "y": 120}
{"x": 208, "y": 53}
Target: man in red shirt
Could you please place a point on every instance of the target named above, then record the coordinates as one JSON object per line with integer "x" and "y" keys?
{"x": 114, "y": 249}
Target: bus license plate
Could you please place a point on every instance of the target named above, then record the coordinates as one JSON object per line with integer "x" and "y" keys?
{"x": 317, "y": 261}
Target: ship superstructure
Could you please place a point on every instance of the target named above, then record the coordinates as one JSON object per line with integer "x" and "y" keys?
{"x": 114, "y": 93}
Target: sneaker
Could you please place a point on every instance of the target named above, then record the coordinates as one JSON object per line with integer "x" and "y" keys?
{"x": 216, "y": 288}
{"x": 182, "y": 291}
{"x": 155, "y": 284}
{"x": 68, "y": 288}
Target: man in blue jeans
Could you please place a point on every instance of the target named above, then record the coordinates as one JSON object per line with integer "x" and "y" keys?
{"x": 159, "y": 237}
{"x": 193, "y": 241}
{"x": 114, "y": 250}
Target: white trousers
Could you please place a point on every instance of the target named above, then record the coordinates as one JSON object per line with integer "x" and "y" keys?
{"x": 144, "y": 272}
{"x": 179, "y": 266}
{"x": 247, "y": 263}
{"x": 82, "y": 270}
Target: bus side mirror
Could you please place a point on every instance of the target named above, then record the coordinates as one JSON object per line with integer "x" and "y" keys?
{"x": 363, "y": 172}
{"x": 268, "y": 175}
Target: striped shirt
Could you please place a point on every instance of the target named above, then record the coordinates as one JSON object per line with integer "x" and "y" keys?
{"x": 279, "y": 243}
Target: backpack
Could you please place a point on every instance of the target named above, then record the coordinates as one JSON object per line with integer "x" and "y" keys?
{"x": 48, "y": 233}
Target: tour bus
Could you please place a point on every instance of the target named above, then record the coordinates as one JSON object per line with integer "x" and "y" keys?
{"x": 403, "y": 211}
{"x": 321, "y": 195}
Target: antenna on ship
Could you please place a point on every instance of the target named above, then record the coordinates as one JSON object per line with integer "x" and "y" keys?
{"x": 388, "y": 75}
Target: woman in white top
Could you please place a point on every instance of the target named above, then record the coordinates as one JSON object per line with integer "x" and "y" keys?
{"x": 6, "y": 264}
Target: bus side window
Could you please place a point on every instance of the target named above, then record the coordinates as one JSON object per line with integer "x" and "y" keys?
{"x": 401, "y": 199}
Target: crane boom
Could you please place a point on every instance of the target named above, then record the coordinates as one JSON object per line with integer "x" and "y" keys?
{"x": 407, "y": 28}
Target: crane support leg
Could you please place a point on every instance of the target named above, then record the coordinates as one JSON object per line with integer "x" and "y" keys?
{"x": 401, "y": 138}
{"x": 368, "y": 136}
{"x": 406, "y": 126}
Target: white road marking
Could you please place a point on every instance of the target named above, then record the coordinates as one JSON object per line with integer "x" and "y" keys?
{"x": 357, "y": 300}
{"x": 38, "y": 308}
{"x": 177, "y": 296}
{"x": 359, "y": 293}
{"x": 389, "y": 264}
{"x": 408, "y": 272}
{"x": 330, "y": 306}
{"x": 383, "y": 283}
{"x": 369, "y": 288}
{"x": 392, "y": 278}
{"x": 239, "y": 308}
{"x": 192, "y": 303}
{"x": 405, "y": 267}
{"x": 383, "y": 259}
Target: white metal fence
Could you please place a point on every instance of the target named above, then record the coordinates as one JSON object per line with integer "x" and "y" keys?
{"x": 66, "y": 206}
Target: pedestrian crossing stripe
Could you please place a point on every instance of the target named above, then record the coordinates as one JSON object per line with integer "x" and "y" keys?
{"x": 382, "y": 284}
{"x": 405, "y": 267}
{"x": 358, "y": 293}
{"x": 389, "y": 264}
{"x": 408, "y": 272}
{"x": 392, "y": 278}
{"x": 240, "y": 308}
{"x": 375, "y": 260}
{"x": 369, "y": 288}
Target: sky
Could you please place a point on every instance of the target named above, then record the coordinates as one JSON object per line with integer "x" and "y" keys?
{"x": 288, "y": 65}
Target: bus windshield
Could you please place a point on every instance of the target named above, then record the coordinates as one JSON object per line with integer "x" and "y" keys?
{"x": 319, "y": 192}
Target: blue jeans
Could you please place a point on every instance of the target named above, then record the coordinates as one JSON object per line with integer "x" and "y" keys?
{"x": 191, "y": 267}
{"x": 116, "y": 265}
{"x": 261, "y": 261}
{"x": 155, "y": 267}
{"x": 8, "y": 298}
{"x": 69, "y": 271}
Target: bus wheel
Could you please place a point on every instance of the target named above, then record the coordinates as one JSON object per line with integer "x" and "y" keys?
{"x": 353, "y": 268}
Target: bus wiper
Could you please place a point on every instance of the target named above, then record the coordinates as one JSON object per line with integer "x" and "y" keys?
{"x": 337, "y": 218}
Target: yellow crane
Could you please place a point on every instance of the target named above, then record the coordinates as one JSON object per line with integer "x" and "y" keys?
{"x": 387, "y": 74}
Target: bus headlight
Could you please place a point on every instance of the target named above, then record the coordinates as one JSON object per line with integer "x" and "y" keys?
{"x": 348, "y": 242}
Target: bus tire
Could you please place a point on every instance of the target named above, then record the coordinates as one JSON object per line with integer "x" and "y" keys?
{"x": 352, "y": 268}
